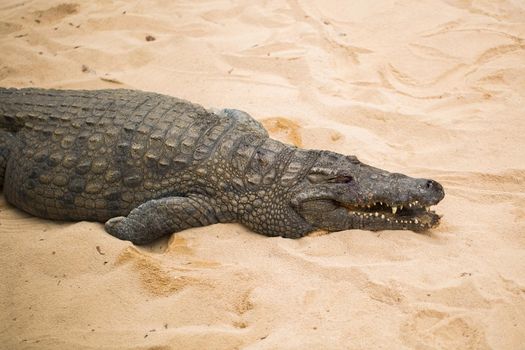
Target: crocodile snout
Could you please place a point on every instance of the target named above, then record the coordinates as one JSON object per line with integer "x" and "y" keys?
{"x": 432, "y": 190}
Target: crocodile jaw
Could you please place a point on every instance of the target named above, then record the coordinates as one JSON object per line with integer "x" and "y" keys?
{"x": 336, "y": 216}
{"x": 378, "y": 215}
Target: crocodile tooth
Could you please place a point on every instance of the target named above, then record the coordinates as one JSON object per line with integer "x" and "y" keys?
{"x": 394, "y": 209}
{"x": 376, "y": 214}
{"x": 382, "y": 216}
{"x": 427, "y": 208}
{"x": 401, "y": 207}
{"x": 416, "y": 221}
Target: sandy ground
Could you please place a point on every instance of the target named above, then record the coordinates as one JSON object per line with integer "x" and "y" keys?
{"x": 429, "y": 88}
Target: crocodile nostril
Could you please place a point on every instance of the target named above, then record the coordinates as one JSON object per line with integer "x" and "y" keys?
{"x": 434, "y": 188}
{"x": 430, "y": 186}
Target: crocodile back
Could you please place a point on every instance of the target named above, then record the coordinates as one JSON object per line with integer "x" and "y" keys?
{"x": 93, "y": 155}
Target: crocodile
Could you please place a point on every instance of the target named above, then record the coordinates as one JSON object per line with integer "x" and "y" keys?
{"x": 148, "y": 165}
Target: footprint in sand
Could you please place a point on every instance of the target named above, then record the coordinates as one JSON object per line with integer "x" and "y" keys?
{"x": 289, "y": 131}
{"x": 8, "y": 28}
{"x": 155, "y": 278}
{"x": 242, "y": 304}
{"x": 56, "y": 13}
{"x": 431, "y": 329}
{"x": 284, "y": 130}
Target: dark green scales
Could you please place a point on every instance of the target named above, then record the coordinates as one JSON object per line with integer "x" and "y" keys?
{"x": 149, "y": 165}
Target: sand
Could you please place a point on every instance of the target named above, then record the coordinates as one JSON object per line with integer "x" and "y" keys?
{"x": 431, "y": 88}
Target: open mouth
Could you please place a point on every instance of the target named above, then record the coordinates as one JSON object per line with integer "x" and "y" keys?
{"x": 410, "y": 216}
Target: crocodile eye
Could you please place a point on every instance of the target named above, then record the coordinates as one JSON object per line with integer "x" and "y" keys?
{"x": 317, "y": 178}
{"x": 323, "y": 178}
{"x": 342, "y": 179}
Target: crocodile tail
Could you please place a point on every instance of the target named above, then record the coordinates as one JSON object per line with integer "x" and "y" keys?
{"x": 7, "y": 141}
{"x": 9, "y": 122}
{"x": 8, "y": 116}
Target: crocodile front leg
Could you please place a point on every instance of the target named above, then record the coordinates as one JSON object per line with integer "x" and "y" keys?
{"x": 159, "y": 217}
{"x": 7, "y": 142}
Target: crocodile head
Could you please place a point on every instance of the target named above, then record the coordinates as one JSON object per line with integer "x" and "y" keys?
{"x": 339, "y": 192}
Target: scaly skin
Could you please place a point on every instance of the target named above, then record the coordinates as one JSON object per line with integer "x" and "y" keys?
{"x": 149, "y": 165}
